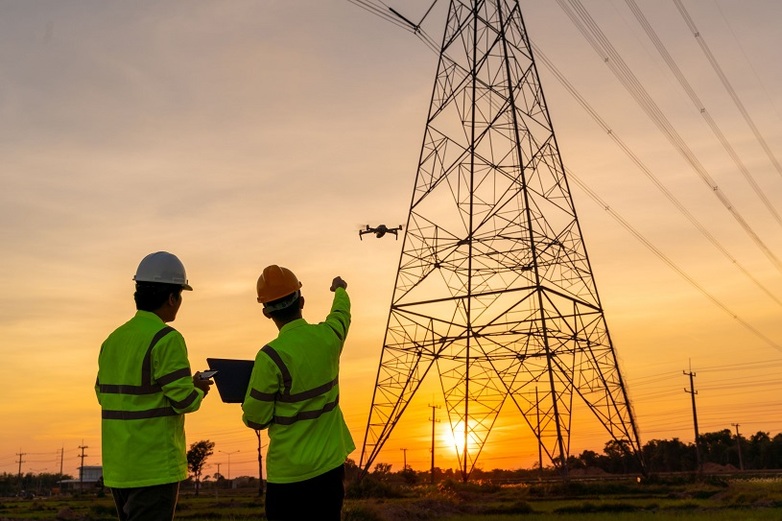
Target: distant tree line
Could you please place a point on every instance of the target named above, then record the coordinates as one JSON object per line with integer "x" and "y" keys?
{"x": 29, "y": 483}
{"x": 758, "y": 452}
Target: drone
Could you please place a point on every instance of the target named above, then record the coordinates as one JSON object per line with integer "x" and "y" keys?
{"x": 379, "y": 231}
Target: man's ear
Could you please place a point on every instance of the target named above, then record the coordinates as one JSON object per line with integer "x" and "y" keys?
{"x": 301, "y": 302}
{"x": 266, "y": 313}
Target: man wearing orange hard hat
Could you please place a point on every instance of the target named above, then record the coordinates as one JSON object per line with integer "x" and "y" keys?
{"x": 294, "y": 392}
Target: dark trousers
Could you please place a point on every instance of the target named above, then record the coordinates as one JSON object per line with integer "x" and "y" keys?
{"x": 319, "y": 498}
{"x": 155, "y": 503}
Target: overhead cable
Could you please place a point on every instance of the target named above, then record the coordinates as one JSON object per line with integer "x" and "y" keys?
{"x": 614, "y": 61}
{"x": 668, "y": 59}
{"x": 625, "y": 224}
{"x": 749, "y": 62}
{"x": 726, "y": 83}
{"x": 640, "y": 164}
{"x": 381, "y": 10}
{"x": 669, "y": 262}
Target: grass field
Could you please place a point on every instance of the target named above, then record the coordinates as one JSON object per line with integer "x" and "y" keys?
{"x": 736, "y": 500}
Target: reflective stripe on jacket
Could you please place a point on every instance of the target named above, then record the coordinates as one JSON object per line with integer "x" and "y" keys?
{"x": 294, "y": 392}
{"x": 144, "y": 387}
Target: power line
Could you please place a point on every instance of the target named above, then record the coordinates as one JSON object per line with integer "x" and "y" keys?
{"x": 668, "y": 59}
{"x": 642, "y": 166}
{"x": 726, "y": 83}
{"x": 670, "y": 196}
{"x": 766, "y": 364}
{"x": 381, "y": 10}
{"x": 746, "y": 58}
{"x": 603, "y": 47}
{"x": 669, "y": 262}
{"x": 720, "y": 304}
{"x": 664, "y": 190}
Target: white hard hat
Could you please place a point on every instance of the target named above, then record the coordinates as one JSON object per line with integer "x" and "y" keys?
{"x": 162, "y": 267}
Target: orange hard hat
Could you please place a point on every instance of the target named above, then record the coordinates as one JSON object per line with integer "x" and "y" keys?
{"x": 275, "y": 283}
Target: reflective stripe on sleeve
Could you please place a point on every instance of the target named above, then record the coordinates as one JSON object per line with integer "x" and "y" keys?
{"x": 258, "y": 426}
{"x": 306, "y": 415}
{"x": 128, "y": 389}
{"x": 174, "y": 376}
{"x": 262, "y": 397}
{"x": 187, "y": 401}
{"x": 311, "y": 393}
{"x": 296, "y": 397}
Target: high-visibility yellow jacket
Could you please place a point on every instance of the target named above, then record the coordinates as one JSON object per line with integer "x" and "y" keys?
{"x": 294, "y": 392}
{"x": 144, "y": 387}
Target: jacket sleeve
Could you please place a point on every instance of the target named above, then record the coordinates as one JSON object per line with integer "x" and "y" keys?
{"x": 171, "y": 370}
{"x": 97, "y": 379}
{"x": 338, "y": 319}
{"x": 265, "y": 382}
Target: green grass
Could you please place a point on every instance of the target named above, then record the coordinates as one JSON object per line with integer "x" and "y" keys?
{"x": 756, "y": 500}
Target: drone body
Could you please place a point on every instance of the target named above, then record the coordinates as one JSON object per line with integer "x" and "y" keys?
{"x": 380, "y": 230}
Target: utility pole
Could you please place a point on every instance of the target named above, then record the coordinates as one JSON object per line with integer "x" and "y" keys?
{"x": 260, "y": 465}
{"x": 693, "y": 392}
{"x": 404, "y": 455}
{"x": 738, "y": 445}
{"x": 540, "y": 443}
{"x": 62, "y": 457}
{"x": 217, "y": 481}
{"x": 229, "y": 459}
{"x": 81, "y": 469}
{"x": 19, "y": 477}
{"x": 434, "y": 420}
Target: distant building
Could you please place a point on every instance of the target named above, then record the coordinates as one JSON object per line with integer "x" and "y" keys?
{"x": 90, "y": 477}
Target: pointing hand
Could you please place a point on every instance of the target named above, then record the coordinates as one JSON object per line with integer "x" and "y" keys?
{"x": 338, "y": 283}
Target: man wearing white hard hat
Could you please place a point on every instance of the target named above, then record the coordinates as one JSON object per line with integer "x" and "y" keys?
{"x": 145, "y": 387}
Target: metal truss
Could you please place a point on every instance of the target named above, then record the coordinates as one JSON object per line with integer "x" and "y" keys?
{"x": 494, "y": 289}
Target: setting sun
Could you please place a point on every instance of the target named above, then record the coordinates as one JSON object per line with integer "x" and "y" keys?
{"x": 454, "y": 439}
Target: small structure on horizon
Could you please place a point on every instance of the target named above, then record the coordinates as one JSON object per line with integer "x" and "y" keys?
{"x": 90, "y": 476}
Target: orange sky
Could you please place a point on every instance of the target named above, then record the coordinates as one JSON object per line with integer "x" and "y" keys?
{"x": 256, "y": 132}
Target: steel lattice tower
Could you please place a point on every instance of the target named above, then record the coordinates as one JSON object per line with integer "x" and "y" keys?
{"x": 494, "y": 288}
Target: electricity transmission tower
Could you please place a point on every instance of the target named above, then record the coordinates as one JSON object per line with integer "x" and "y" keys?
{"x": 494, "y": 290}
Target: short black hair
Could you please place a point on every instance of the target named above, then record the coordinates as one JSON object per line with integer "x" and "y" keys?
{"x": 149, "y": 296}
{"x": 288, "y": 313}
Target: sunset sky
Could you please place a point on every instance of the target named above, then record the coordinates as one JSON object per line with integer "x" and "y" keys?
{"x": 244, "y": 133}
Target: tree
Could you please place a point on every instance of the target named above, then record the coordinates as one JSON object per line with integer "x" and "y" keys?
{"x": 760, "y": 450}
{"x": 588, "y": 459}
{"x": 196, "y": 459}
{"x": 620, "y": 457}
{"x": 382, "y": 471}
{"x": 718, "y": 446}
{"x": 669, "y": 456}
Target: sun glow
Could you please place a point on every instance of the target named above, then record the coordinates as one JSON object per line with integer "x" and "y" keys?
{"x": 454, "y": 438}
